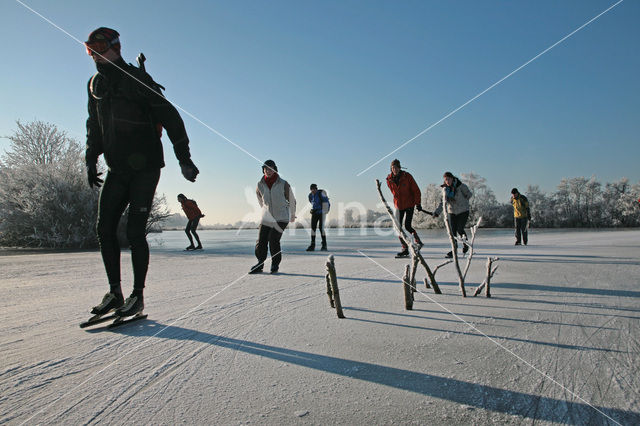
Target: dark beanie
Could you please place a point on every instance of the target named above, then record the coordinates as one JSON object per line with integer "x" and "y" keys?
{"x": 270, "y": 164}
{"x": 448, "y": 174}
{"x": 313, "y": 186}
{"x": 514, "y": 191}
{"x": 396, "y": 163}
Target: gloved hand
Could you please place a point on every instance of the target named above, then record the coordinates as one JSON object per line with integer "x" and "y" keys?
{"x": 419, "y": 207}
{"x": 189, "y": 170}
{"x": 93, "y": 176}
{"x": 435, "y": 215}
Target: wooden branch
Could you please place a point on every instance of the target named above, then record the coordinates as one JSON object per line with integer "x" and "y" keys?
{"x": 414, "y": 269}
{"x": 474, "y": 229}
{"x": 487, "y": 281}
{"x": 329, "y": 291}
{"x": 441, "y": 265}
{"x": 331, "y": 268}
{"x": 406, "y": 287}
{"x": 414, "y": 251}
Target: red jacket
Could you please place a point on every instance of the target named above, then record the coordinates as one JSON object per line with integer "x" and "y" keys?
{"x": 191, "y": 209}
{"x": 406, "y": 192}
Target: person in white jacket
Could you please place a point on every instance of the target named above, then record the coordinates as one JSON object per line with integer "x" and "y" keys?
{"x": 457, "y": 196}
{"x": 278, "y": 209}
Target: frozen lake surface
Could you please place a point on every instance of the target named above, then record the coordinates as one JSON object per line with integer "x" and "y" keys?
{"x": 558, "y": 341}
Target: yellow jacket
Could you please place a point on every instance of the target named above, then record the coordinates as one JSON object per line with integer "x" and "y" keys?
{"x": 521, "y": 207}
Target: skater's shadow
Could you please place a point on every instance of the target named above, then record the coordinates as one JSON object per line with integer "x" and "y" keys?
{"x": 459, "y": 391}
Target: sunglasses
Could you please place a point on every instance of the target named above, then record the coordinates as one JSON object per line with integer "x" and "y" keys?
{"x": 99, "y": 46}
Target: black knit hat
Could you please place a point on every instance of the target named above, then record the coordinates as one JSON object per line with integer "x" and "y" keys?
{"x": 313, "y": 186}
{"x": 396, "y": 163}
{"x": 270, "y": 164}
{"x": 514, "y": 191}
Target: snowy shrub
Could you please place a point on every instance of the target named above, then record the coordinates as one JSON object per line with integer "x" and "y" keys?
{"x": 44, "y": 198}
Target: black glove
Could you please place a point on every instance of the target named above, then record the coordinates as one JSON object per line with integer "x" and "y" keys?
{"x": 189, "y": 170}
{"x": 93, "y": 176}
{"x": 419, "y": 207}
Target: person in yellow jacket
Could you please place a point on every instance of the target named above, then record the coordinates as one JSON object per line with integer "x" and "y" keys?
{"x": 521, "y": 214}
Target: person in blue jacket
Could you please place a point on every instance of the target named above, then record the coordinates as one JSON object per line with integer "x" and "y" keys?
{"x": 319, "y": 208}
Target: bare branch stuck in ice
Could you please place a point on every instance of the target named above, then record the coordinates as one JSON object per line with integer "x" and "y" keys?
{"x": 474, "y": 229}
{"x": 407, "y": 289}
{"x": 487, "y": 281}
{"x": 332, "y": 286}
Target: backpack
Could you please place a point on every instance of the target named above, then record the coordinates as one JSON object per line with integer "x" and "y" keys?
{"x": 323, "y": 192}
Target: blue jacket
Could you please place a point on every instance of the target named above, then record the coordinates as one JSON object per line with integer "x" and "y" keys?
{"x": 319, "y": 202}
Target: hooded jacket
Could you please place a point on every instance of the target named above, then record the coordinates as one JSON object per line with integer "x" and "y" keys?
{"x": 457, "y": 196}
{"x": 124, "y": 120}
{"x": 278, "y": 203}
{"x": 405, "y": 190}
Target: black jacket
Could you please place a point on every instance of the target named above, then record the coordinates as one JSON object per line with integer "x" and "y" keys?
{"x": 125, "y": 118}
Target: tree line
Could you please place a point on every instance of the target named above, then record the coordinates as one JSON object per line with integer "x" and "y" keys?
{"x": 45, "y": 200}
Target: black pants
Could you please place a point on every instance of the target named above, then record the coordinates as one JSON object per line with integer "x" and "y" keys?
{"x": 407, "y": 215}
{"x": 119, "y": 190}
{"x": 269, "y": 239}
{"x": 192, "y": 225}
{"x": 521, "y": 229}
{"x": 458, "y": 222}
{"x": 317, "y": 222}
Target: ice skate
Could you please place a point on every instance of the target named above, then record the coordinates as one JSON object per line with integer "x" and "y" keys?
{"x": 110, "y": 302}
{"x": 403, "y": 253}
{"x": 312, "y": 247}
{"x": 132, "y": 306}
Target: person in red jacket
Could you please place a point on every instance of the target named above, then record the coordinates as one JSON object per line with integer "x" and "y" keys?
{"x": 406, "y": 196}
{"x": 194, "y": 214}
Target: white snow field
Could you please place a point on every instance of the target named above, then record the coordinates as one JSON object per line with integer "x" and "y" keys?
{"x": 558, "y": 341}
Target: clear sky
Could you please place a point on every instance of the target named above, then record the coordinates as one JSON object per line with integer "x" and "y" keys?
{"x": 326, "y": 88}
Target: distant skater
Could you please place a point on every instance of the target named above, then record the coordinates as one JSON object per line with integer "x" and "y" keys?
{"x": 457, "y": 196}
{"x": 278, "y": 209}
{"x": 521, "y": 216}
{"x": 319, "y": 208}
{"x": 190, "y": 208}
{"x": 126, "y": 113}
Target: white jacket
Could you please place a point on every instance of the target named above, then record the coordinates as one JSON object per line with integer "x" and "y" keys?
{"x": 278, "y": 203}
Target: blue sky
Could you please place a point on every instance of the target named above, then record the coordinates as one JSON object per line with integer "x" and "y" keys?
{"x": 325, "y": 88}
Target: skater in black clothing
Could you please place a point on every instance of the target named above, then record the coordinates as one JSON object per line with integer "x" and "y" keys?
{"x": 127, "y": 112}
{"x": 319, "y": 208}
{"x": 278, "y": 209}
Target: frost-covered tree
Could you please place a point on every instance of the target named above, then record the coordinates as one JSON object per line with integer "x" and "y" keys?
{"x": 44, "y": 198}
